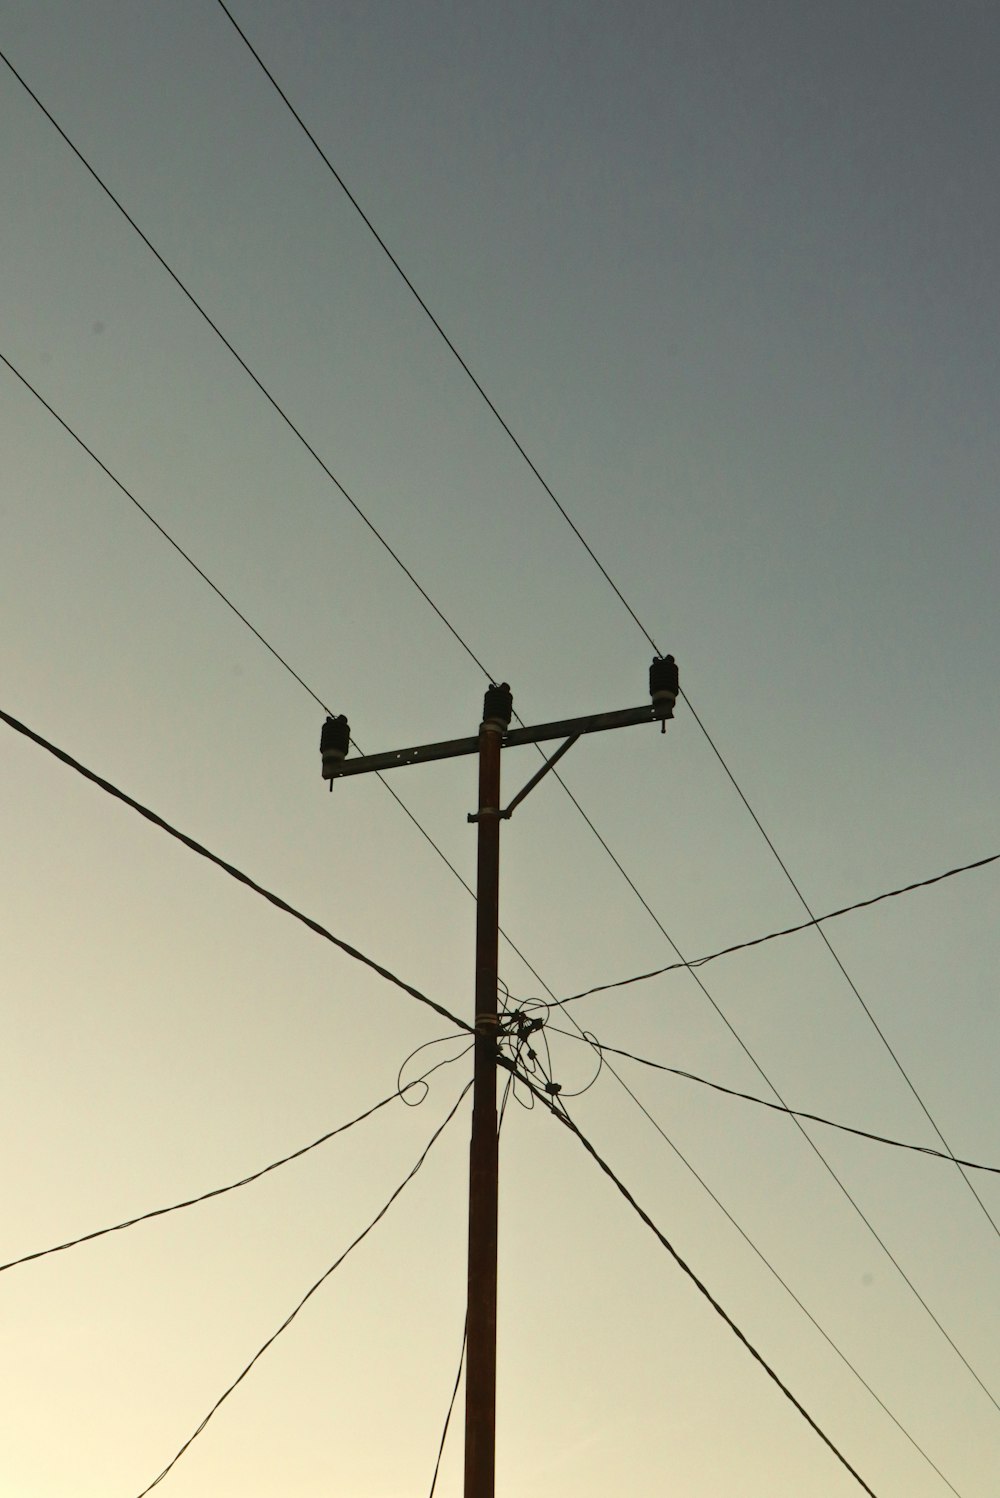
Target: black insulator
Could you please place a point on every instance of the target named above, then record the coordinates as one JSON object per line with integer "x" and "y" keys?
{"x": 334, "y": 742}
{"x": 498, "y": 704}
{"x": 664, "y": 683}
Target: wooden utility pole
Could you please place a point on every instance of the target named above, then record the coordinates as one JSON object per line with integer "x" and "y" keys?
{"x": 495, "y": 735}
{"x": 481, "y": 1345}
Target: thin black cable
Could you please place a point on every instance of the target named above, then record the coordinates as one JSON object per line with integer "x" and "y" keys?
{"x": 393, "y": 554}
{"x": 295, "y": 430}
{"x": 405, "y": 278}
{"x": 321, "y": 930}
{"x": 244, "y": 366}
{"x": 254, "y": 631}
{"x": 605, "y": 574}
{"x": 451, "y": 1408}
{"x": 163, "y": 532}
{"x": 233, "y": 872}
{"x": 421, "y": 1081}
{"x": 309, "y": 1293}
{"x": 444, "y": 619}
{"x": 782, "y": 1281}
{"x": 849, "y": 980}
{"x": 528, "y": 1007}
{"x": 748, "y": 1097}
{"x": 583, "y": 1035}
{"x": 801, "y": 1128}
{"x": 558, "y": 1111}
{"x": 741, "y": 946}
{"x": 192, "y": 1201}
{"x": 606, "y": 1065}
{"x": 353, "y": 503}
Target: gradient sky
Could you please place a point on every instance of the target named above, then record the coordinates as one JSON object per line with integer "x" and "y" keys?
{"x": 729, "y": 272}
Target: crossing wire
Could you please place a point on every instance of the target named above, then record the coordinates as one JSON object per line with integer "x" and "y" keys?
{"x": 233, "y": 872}
{"x": 471, "y": 654}
{"x": 308, "y": 1296}
{"x": 558, "y": 1111}
{"x": 394, "y": 261}
{"x": 514, "y": 948}
{"x": 743, "y": 946}
{"x": 604, "y": 1050}
{"x": 851, "y": 1367}
{"x": 253, "y": 630}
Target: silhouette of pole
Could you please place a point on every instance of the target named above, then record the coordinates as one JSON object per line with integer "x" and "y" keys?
{"x": 480, "y": 1376}
{"x": 495, "y": 734}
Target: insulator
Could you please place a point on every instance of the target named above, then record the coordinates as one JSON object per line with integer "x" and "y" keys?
{"x": 498, "y": 705}
{"x": 334, "y": 742}
{"x": 664, "y": 684}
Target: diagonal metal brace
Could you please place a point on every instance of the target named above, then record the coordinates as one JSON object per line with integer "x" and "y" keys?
{"x": 553, "y": 760}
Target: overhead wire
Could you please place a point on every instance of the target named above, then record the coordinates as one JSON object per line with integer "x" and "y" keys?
{"x": 247, "y": 1180}
{"x": 450, "y": 1410}
{"x": 757, "y": 941}
{"x": 683, "y": 962}
{"x": 604, "y": 1050}
{"x": 296, "y": 431}
{"x": 511, "y": 1060}
{"x": 846, "y": 975}
{"x": 405, "y": 278}
{"x": 834, "y": 1176}
{"x": 68, "y": 759}
{"x": 217, "y": 590}
{"x": 558, "y": 1111}
{"x": 186, "y": 555}
{"x": 780, "y": 1280}
{"x": 394, "y": 261}
{"x": 308, "y": 1295}
{"x": 234, "y": 872}
{"x": 243, "y": 364}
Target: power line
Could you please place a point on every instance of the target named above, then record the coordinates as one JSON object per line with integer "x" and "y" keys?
{"x": 608, "y": 578}
{"x": 235, "y": 873}
{"x": 798, "y": 1124}
{"x": 471, "y": 654}
{"x": 244, "y": 365}
{"x": 749, "y": 1097}
{"x": 847, "y": 977}
{"x": 558, "y": 1111}
{"x": 253, "y": 630}
{"x": 450, "y": 1410}
{"x": 757, "y": 941}
{"x": 162, "y": 530}
{"x": 851, "y": 1367}
{"x": 605, "y": 1064}
{"x": 204, "y": 1196}
{"x": 409, "y": 284}
{"x": 426, "y": 835}
{"x": 589, "y": 1039}
{"x": 60, "y": 754}
{"x": 309, "y": 1293}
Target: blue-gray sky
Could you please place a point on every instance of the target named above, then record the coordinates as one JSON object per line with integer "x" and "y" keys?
{"x": 728, "y": 271}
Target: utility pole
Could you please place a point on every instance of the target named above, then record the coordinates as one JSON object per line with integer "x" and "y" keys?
{"x": 494, "y": 735}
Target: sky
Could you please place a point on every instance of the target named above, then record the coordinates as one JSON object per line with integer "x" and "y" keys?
{"x": 728, "y": 273}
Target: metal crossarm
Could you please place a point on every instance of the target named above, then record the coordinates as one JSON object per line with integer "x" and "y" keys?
{"x": 565, "y": 728}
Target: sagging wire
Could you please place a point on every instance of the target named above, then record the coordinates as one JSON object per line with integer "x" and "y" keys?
{"x": 310, "y": 1292}
{"x": 192, "y": 1201}
{"x": 421, "y": 1081}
